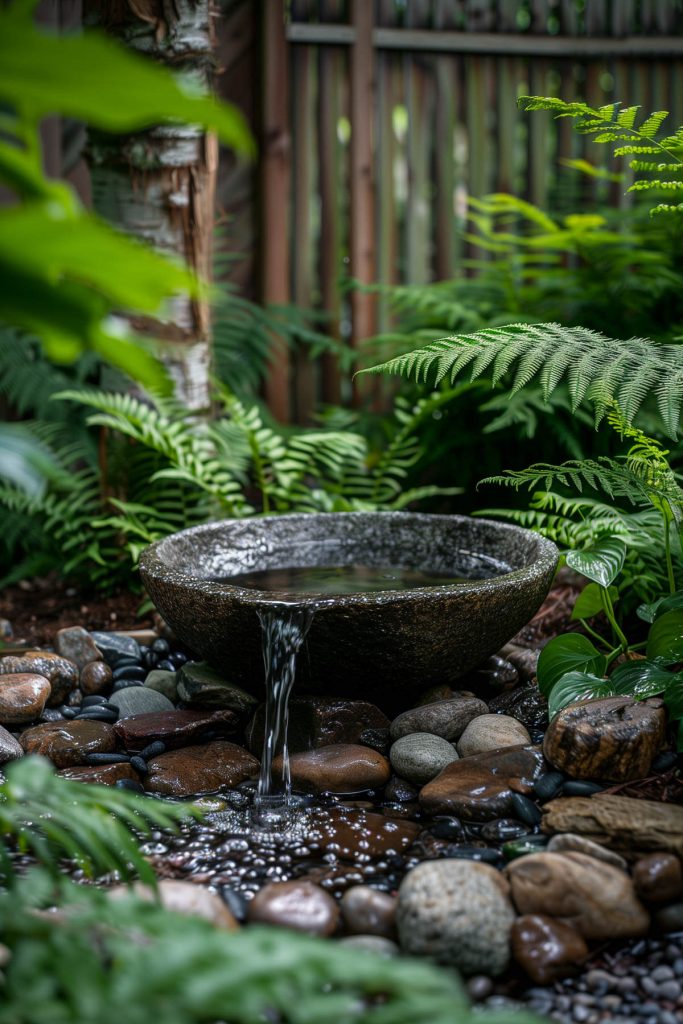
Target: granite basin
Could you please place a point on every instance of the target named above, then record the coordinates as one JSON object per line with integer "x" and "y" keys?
{"x": 358, "y": 644}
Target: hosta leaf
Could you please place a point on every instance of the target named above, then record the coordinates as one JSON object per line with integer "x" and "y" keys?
{"x": 602, "y": 562}
{"x": 665, "y": 642}
{"x": 641, "y": 678}
{"x": 571, "y": 652}
{"x": 674, "y": 702}
{"x": 591, "y": 601}
{"x": 575, "y": 686}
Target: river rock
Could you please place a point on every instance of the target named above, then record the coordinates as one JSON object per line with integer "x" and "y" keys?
{"x": 101, "y": 775}
{"x": 579, "y": 844}
{"x": 547, "y": 949}
{"x": 420, "y": 756}
{"x": 174, "y": 728}
{"x": 182, "y": 897}
{"x": 67, "y": 743}
{"x": 491, "y": 732}
{"x": 113, "y": 646}
{"x": 10, "y": 748}
{"x": 61, "y": 674}
{"x": 669, "y": 919}
{"x": 457, "y": 912}
{"x": 658, "y": 878}
{"x": 340, "y": 768}
{"x": 596, "y": 899}
{"x": 200, "y": 769}
{"x": 164, "y": 682}
{"x": 139, "y": 700}
{"x": 96, "y": 678}
{"x": 626, "y": 825}
{"x": 612, "y": 739}
{"x": 76, "y": 644}
{"x": 22, "y": 697}
{"x": 319, "y": 722}
{"x": 525, "y": 703}
{"x": 300, "y": 905}
{"x": 445, "y": 718}
{"x": 368, "y": 911}
{"x": 201, "y": 686}
{"x": 480, "y": 787}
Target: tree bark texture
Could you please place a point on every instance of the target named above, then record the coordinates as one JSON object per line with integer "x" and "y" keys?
{"x": 159, "y": 185}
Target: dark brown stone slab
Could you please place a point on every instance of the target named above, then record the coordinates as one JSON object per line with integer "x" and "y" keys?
{"x": 174, "y": 728}
{"x": 340, "y": 768}
{"x": 200, "y": 769}
{"x": 102, "y": 775}
{"x": 620, "y": 822}
{"x": 480, "y": 787}
{"x": 320, "y": 721}
{"x": 352, "y": 834}
{"x": 61, "y": 673}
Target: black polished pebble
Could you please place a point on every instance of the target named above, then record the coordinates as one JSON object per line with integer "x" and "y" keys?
{"x": 139, "y": 764}
{"x": 446, "y": 828}
{"x": 665, "y": 761}
{"x": 129, "y": 672}
{"x": 486, "y": 854}
{"x": 526, "y": 810}
{"x": 548, "y": 786}
{"x": 160, "y": 647}
{"x": 166, "y": 665}
{"x": 149, "y": 658}
{"x": 92, "y": 701}
{"x": 235, "y": 902}
{"x": 123, "y": 684}
{"x": 153, "y": 750}
{"x": 97, "y": 714}
{"x": 501, "y": 830}
{"x": 135, "y": 787}
{"x": 178, "y": 659}
{"x": 577, "y": 787}
{"x": 68, "y": 712}
{"x": 106, "y": 758}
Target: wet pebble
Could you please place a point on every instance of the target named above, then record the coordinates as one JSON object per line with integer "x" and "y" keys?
{"x": 300, "y": 905}
{"x": 525, "y": 809}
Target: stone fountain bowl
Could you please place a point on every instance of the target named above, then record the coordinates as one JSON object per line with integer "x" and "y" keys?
{"x": 358, "y": 644}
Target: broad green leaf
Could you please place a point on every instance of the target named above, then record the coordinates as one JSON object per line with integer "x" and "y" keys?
{"x": 641, "y": 678}
{"x": 601, "y": 562}
{"x": 665, "y": 641}
{"x": 25, "y": 462}
{"x": 674, "y": 699}
{"x": 93, "y": 79}
{"x": 650, "y": 612}
{"x": 591, "y": 602}
{"x": 576, "y": 686}
{"x": 570, "y": 652}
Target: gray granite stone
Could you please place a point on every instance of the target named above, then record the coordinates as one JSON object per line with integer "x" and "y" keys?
{"x": 139, "y": 700}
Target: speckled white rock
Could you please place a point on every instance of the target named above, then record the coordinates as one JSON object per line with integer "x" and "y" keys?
{"x": 457, "y": 912}
{"x": 491, "y": 732}
{"x": 420, "y": 756}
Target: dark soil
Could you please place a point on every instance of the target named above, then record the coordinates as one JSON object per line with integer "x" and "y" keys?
{"x": 37, "y": 609}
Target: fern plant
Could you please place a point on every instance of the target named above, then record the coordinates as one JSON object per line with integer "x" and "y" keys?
{"x": 637, "y": 137}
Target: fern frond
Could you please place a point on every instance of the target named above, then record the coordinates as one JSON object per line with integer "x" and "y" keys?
{"x": 594, "y": 366}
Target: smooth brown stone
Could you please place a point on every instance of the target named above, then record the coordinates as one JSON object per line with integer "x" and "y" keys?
{"x": 96, "y": 677}
{"x": 76, "y": 644}
{"x": 368, "y": 911}
{"x": 445, "y": 718}
{"x": 613, "y": 739}
{"x": 596, "y": 899}
{"x": 547, "y": 949}
{"x": 200, "y": 769}
{"x": 579, "y": 844}
{"x": 61, "y": 673}
{"x": 340, "y": 768}
{"x": 480, "y": 787}
{"x": 67, "y": 743}
{"x": 658, "y": 878}
{"x": 300, "y": 905}
{"x": 174, "y": 728}
{"x": 491, "y": 732}
{"x": 101, "y": 774}
{"x": 319, "y": 722}
{"x": 22, "y": 697}
{"x": 182, "y": 897}
{"x": 10, "y": 748}
{"x": 619, "y": 822}
{"x": 350, "y": 834}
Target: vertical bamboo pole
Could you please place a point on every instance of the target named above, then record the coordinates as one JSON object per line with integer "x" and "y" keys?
{"x": 362, "y": 254}
{"x": 275, "y": 185}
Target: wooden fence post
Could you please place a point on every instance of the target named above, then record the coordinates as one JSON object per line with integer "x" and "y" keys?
{"x": 275, "y": 187}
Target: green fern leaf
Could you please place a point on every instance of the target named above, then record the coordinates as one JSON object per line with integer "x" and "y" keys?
{"x": 651, "y": 126}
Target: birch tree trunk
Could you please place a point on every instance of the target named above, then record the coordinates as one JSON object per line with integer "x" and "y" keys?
{"x": 159, "y": 184}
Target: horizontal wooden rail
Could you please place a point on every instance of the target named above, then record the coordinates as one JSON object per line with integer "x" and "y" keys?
{"x": 502, "y": 44}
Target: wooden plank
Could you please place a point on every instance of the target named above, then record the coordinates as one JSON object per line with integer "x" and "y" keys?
{"x": 623, "y": 17}
{"x": 444, "y": 167}
{"x": 492, "y": 43}
{"x": 506, "y": 129}
{"x": 539, "y": 131}
{"x": 569, "y": 17}
{"x": 419, "y": 139}
{"x": 331, "y": 70}
{"x": 361, "y": 254}
{"x": 275, "y": 197}
{"x": 595, "y": 15}
{"x": 387, "y": 220}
